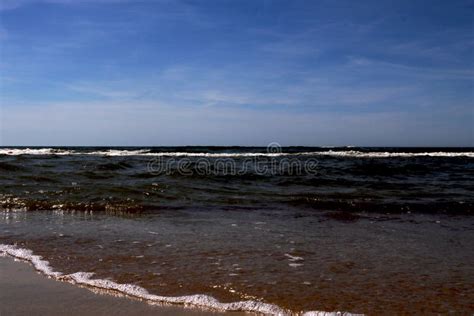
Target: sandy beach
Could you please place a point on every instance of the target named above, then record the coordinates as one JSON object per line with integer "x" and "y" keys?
{"x": 23, "y": 291}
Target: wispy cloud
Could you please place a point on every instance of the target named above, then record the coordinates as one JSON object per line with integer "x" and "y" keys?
{"x": 439, "y": 73}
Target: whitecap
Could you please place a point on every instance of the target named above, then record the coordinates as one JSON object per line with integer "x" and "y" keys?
{"x": 146, "y": 152}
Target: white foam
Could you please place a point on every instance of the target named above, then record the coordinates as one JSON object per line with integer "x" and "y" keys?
{"x": 295, "y": 265}
{"x": 293, "y": 258}
{"x": 26, "y": 254}
{"x": 145, "y": 152}
{"x": 386, "y": 154}
{"x": 34, "y": 151}
{"x": 316, "y": 313}
{"x": 114, "y": 152}
{"x": 198, "y": 300}
{"x": 64, "y": 152}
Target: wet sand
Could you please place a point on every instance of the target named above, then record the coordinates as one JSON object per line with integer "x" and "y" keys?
{"x": 23, "y": 291}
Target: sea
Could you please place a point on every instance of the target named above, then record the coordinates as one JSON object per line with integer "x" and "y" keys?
{"x": 273, "y": 230}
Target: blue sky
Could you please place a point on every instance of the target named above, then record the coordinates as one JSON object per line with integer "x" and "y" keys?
{"x": 118, "y": 72}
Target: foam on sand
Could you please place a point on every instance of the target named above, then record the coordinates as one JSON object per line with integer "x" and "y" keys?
{"x": 198, "y": 300}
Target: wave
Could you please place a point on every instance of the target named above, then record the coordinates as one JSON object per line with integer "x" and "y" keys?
{"x": 66, "y": 152}
{"x": 347, "y": 207}
{"x": 197, "y": 300}
{"x": 147, "y": 152}
{"x": 123, "y": 207}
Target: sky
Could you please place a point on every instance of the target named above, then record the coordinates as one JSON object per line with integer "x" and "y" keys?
{"x": 218, "y": 72}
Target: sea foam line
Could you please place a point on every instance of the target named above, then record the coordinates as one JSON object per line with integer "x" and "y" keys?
{"x": 147, "y": 153}
{"x": 198, "y": 300}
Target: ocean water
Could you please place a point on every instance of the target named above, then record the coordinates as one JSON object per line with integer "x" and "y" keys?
{"x": 275, "y": 230}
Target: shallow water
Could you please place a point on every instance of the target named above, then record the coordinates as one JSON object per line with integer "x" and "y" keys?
{"x": 361, "y": 234}
{"x": 18, "y": 281}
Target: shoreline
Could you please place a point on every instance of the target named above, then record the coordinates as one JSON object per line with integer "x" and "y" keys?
{"x": 84, "y": 279}
{"x": 23, "y": 274}
{"x": 26, "y": 291}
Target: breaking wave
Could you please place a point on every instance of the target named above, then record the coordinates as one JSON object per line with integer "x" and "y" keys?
{"x": 148, "y": 152}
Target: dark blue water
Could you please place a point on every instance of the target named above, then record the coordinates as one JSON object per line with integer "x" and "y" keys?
{"x": 384, "y": 180}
